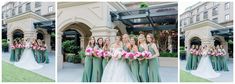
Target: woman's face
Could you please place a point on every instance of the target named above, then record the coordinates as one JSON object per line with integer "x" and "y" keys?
{"x": 117, "y": 39}
{"x": 100, "y": 41}
{"x": 92, "y": 41}
{"x": 125, "y": 38}
{"x": 132, "y": 41}
{"x": 140, "y": 39}
{"x": 107, "y": 41}
{"x": 149, "y": 39}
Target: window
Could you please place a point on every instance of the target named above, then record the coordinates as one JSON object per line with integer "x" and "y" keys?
{"x": 198, "y": 17}
{"x": 28, "y": 7}
{"x": 214, "y": 11}
{"x": 38, "y": 12}
{"x": 50, "y": 9}
{"x": 198, "y": 10}
{"x": 226, "y": 17}
{"x": 205, "y": 6}
{"x": 13, "y": 12}
{"x": 191, "y": 20}
{"x": 227, "y": 5}
{"x": 37, "y": 4}
{"x": 205, "y": 15}
{"x": 20, "y": 9}
{"x": 215, "y": 20}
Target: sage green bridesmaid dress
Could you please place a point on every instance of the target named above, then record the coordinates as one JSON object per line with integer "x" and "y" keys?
{"x": 97, "y": 68}
{"x": 134, "y": 66}
{"x": 46, "y": 55}
{"x": 17, "y": 54}
{"x": 87, "y": 73}
{"x": 143, "y": 68}
{"x": 104, "y": 63}
{"x": 189, "y": 62}
{"x": 194, "y": 62}
{"x": 154, "y": 75}
{"x": 12, "y": 58}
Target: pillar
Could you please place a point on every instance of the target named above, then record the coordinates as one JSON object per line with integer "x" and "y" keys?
{"x": 59, "y": 50}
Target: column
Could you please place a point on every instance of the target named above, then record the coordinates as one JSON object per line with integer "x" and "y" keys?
{"x": 82, "y": 43}
{"x": 48, "y": 42}
{"x": 59, "y": 50}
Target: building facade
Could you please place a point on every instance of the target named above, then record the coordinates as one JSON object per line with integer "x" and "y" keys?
{"x": 28, "y": 20}
{"x": 199, "y": 22}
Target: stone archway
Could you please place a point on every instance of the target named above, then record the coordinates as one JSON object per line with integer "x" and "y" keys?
{"x": 18, "y": 33}
{"x": 40, "y": 35}
{"x": 217, "y": 41}
{"x": 81, "y": 36}
{"x": 195, "y": 41}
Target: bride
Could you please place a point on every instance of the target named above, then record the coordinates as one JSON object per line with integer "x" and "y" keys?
{"x": 27, "y": 60}
{"x": 205, "y": 69}
{"x": 117, "y": 70}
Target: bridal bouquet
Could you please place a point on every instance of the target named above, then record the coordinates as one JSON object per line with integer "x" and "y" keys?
{"x": 145, "y": 54}
{"x": 106, "y": 54}
{"x": 117, "y": 54}
{"x": 99, "y": 53}
{"x": 88, "y": 52}
{"x": 43, "y": 48}
{"x": 13, "y": 47}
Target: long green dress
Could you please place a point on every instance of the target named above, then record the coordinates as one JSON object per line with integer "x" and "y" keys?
{"x": 213, "y": 62}
{"x": 134, "y": 66}
{"x": 143, "y": 68}
{"x": 104, "y": 62}
{"x": 194, "y": 62}
{"x": 97, "y": 68}
{"x": 17, "y": 54}
{"x": 38, "y": 55}
{"x": 154, "y": 75}
{"x": 87, "y": 73}
{"x": 12, "y": 58}
{"x": 45, "y": 54}
{"x": 189, "y": 62}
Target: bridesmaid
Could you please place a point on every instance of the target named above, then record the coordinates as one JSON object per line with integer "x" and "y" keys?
{"x": 87, "y": 73}
{"x": 199, "y": 54}
{"x": 189, "y": 58}
{"x": 97, "y": 62}
{"x": 223, "y": 59}
{"x": 13, "y": 46}
{"x": 194, "y": 58}
{"x": 213, "y": 58}
{"x": 38, "y": 51}
{"x": 34, "y": 47}
{"x": 143, "y": 63}
{"x": 17, "y": 51}
{"x": 134, "y": 64}
{"x": 126, "y": 43}
{"x": 218, "y": 62}
{"x": 45, "y": 53}
{"x": 107, "y": 49}
{"x": 153, "y": 61}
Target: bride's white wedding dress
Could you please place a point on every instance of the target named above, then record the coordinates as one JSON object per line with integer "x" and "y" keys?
{"x": 27, "y": 60}
{"x": 117, "y": 71}
{"x": 205, "y": 69}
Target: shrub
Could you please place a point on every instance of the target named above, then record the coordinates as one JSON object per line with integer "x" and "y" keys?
{"x": 167, "y": 54}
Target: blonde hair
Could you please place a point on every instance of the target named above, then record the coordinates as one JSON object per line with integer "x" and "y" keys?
{"x": 141, "y": 36}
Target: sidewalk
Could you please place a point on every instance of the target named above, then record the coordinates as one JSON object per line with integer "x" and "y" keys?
{"x": 224, "y": 77}
{"x": 48, "y": 70}
{"x": 73, "y": 73}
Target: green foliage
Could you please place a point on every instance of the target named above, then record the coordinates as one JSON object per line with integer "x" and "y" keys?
{"x": 230, "y": 42}
{"x": 4, "y": 43}
{"x": 69, "y": 46}
{"x": 144, "y": 5}
{"x": 11, "y": 73}
{"x": 167, "y": 54}
{"x": 53, "y": 34}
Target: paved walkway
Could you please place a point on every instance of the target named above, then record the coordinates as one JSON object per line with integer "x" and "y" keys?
{"x": 224, "y": 77}
{"x": 73, "y": 73}
{"x": 48, "y": 70}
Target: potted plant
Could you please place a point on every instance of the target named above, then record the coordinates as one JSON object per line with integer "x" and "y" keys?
{"x": 82, "y": 55}
{"x": 4, "y": 45}
{"x": 68, "y": 46}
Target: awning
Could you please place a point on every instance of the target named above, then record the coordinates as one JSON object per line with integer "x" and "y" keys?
{"x": 163, "y": 15}
{"x": 49, "y": 25}
{"x": 223, "y": 32}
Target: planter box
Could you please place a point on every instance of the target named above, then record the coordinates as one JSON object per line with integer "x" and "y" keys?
{"x": 168, "y": 61}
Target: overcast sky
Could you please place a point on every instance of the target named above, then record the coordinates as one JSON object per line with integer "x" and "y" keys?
{"x": 184, "y": 4}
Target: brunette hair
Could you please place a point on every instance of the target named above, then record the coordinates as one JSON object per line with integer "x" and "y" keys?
{"x": 100, "y": 46}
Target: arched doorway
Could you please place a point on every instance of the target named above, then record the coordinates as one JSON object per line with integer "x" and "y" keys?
{"x": 119, "y": 31}
{"x": 18, "y": 34}
{"x": 217, "y": 41}
{"x": 195, "y": 41}
{"x": 74, "y": 38}
{"x": 40, "y": 35}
